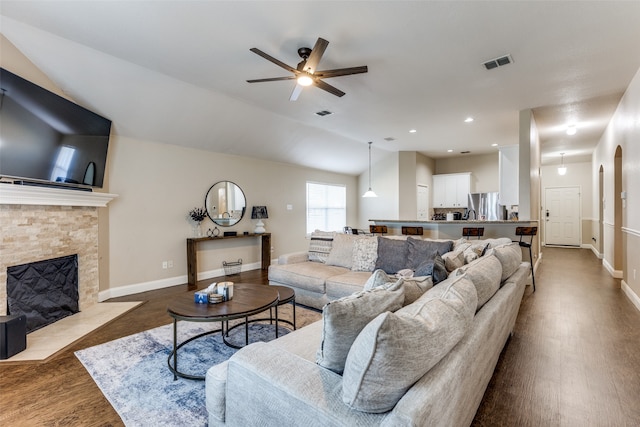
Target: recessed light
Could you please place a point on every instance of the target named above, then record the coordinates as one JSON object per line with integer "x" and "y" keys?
{"x": 494, "y": 145}
{"x": 468, "y": 120}
{"x": 449, "y": 151}
{"x": 413, "y": 131}
{"x": 571, "y": 130}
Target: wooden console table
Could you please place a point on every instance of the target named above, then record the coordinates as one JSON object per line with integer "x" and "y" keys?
{"x": 192, "y": 259}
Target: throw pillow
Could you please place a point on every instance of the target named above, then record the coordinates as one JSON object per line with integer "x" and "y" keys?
{"x": 344, "y": 318}
{"x": 396, "y": 349}
{"x": 341, "y": 254}
{"x": 510, "y": 256}
{"x": 425, "y": 250}
{"x": 413, "y": 287}
{"x": 320, "y": 245}
{"x": 453, "y": 260}
{"x": 434, "y": 268}
{"x": 485, "y": 275}
{"x": 365, "y": 254}
{"x": 392, "y": 255}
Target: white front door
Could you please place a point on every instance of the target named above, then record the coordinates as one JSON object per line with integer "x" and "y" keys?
{"x": 562, "y": 216}
{"x": 423, "y": 202}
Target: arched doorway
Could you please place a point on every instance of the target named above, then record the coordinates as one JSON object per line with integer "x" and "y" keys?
{"x": 600, "y": 244}
{"x": 617, "y": 216}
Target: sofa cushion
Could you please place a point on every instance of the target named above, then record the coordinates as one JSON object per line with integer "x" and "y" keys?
{"x": 434, "y": 268}
{"x": 485, "y": 274}
{"x": 510, "y": 256}
{"x": 365, "y": 254}
{"x": 346, "y": 283}
{"x": 413, "y": 339}
{"x": 320, "y": 245}
{"x": 341, "y": 253}
{"x": 344, "y": 318}
{"x": 392, "y": 255}
{"x": 425, "y": 250}
{"x": 304, "y": 275}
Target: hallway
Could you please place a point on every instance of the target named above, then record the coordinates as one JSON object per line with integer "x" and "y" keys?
{"x": 574, "y": 358}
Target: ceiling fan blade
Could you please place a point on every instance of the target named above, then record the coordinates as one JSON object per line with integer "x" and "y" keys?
{"x": 296, "y": 93}
{"x": 273, "y": 79}
{"x": 274, "y": 60}
{"x": 325, "y": 86}
{"x": 325, "y": 74}
{"x": 316, "y": 55}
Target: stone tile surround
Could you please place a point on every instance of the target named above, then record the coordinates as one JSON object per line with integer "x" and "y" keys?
{"x": 39, "y": 223}
{"x": 35, "y": 233}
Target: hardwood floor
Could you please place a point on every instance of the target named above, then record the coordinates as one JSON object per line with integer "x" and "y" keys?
{"x": 574, "y": 359}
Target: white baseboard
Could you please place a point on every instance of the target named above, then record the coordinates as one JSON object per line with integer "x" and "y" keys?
{"x": 594, "y": 250}
{"x": 616, "y": 274}
{"x": 633, "y": 297}
{"x": 153, "y": 285}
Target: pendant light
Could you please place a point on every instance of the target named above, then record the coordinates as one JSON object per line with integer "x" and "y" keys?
{"x": 562, "y": 170}
{"x": 370, "y": 192}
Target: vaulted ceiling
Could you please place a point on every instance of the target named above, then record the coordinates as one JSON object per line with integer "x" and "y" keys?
{"x": 175, "y": 72}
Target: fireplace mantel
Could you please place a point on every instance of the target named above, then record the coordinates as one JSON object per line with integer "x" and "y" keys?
{"x": 11, "y": 194}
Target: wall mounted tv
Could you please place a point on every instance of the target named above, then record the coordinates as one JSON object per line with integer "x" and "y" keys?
{"x": 46, "y": 139}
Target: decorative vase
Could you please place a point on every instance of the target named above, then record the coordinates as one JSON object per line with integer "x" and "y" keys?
{"x": 197, "y": 229}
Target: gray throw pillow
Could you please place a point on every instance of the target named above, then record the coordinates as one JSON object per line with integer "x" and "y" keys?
{"x": 426, "y": 250}
{"x": 414, "y": 287}
{"x": 396, "y": 349}
{"x": 392, "y": 255}
{"x": 434, "y": 268}
{"x": 344, "y": 318}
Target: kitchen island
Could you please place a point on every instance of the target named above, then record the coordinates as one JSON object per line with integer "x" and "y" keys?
{"x": 436, "y": 229}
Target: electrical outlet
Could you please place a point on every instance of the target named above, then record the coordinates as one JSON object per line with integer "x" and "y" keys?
{"x": 164, "y": 265}
{"x": 170, "y": 263}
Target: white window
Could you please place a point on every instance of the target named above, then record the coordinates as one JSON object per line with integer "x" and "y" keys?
{"x": 326, "y": 207}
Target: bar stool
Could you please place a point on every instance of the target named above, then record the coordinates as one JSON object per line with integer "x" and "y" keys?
{"x": 528, "y": 231}
{"x": 473, "y": 231}
{"x": 378, "y": 229}
{"x": 412, "y": 231}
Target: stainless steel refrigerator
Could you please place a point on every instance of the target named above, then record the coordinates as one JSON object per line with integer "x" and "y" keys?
{"x": 486, "y": 206}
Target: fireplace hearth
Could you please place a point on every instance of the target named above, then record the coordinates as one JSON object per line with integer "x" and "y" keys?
{"x": 45, "y": 291}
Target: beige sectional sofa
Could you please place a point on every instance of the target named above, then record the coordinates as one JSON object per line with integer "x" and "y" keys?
{"x": 386, "y": 355}
{"x": 335, "y": 269}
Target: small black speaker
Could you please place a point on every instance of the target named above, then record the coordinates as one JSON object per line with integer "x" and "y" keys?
{"x": 13, "y": 335}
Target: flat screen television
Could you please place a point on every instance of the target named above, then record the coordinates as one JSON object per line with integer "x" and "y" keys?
{"x": 45, "y": 138}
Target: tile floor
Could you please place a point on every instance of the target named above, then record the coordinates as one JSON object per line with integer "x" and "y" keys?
{"x": 46, "y": 342}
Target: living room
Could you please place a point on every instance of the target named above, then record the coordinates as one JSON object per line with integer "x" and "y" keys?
{"x": 158, "y": 183}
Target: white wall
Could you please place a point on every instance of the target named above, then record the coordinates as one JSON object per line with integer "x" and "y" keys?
{"x": 623, "y": 131}
{"x": 159, "y": 184}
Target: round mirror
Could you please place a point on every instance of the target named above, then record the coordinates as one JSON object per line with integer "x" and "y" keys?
{"x": 225, "y": 203}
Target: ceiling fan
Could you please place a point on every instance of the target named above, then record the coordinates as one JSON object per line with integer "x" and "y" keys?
{"x": 306, "y": 73}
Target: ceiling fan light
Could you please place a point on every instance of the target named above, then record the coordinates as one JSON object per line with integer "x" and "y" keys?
{"x": 305, "y": 80}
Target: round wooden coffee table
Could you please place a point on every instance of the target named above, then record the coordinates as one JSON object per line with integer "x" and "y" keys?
{"x": 248, "y": 299}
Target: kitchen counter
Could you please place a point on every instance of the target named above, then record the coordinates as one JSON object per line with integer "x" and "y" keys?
{"x": 453, "y": 229}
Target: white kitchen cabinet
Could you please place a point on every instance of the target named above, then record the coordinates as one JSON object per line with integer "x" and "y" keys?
{"x": 508, "y": 166}
{"x": 451, "y": 190}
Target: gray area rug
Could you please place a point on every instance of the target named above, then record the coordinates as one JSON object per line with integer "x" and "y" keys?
{"x": 133, "y": 375}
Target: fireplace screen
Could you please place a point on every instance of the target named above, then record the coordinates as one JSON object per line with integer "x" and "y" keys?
{"x": 45, "y": 291}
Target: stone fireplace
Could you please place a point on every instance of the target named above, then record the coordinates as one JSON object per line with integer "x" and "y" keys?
{"x": 43, "y": 223}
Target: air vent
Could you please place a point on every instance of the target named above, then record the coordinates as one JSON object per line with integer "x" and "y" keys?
{"x": 498, "y": 62}
{"x": 389, "y": 139}
{"x": 465, "y": 152}
{"x": 324, "y": 113}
